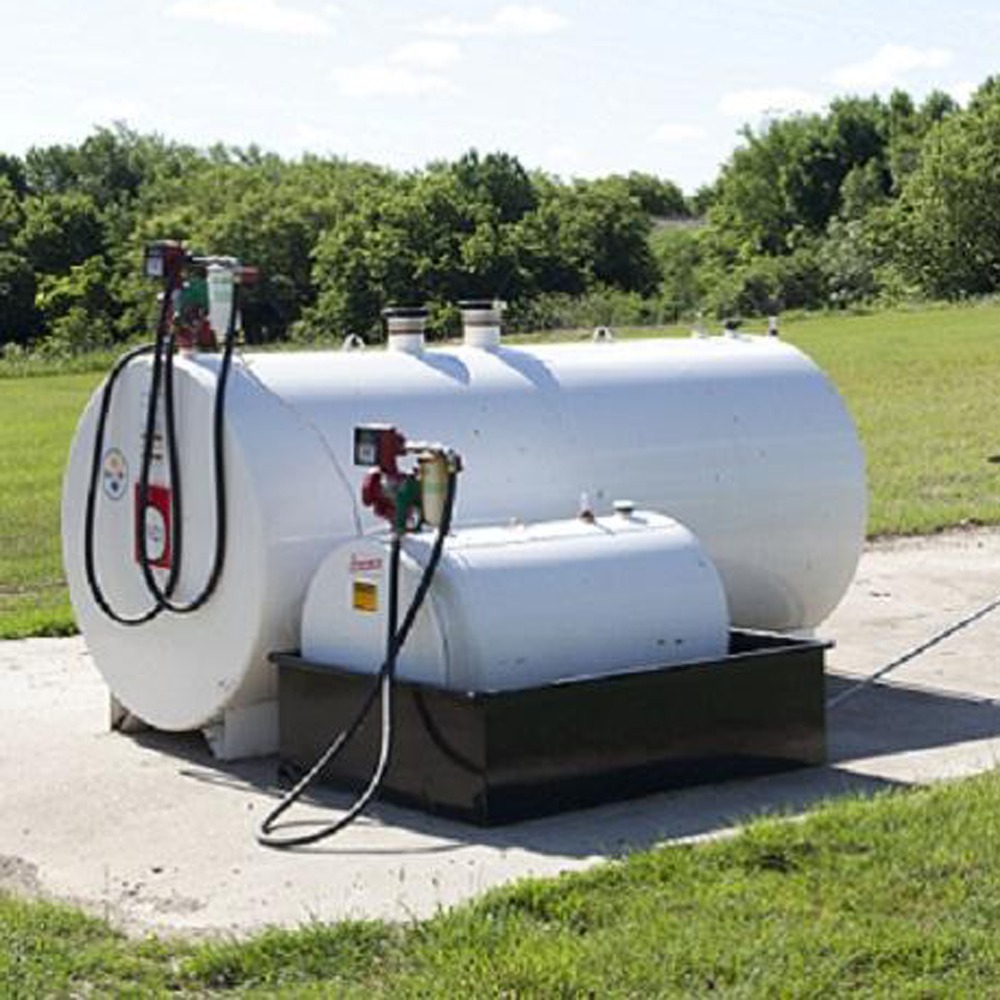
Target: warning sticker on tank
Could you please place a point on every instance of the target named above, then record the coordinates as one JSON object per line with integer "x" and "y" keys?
{"x": 365, "y": 564}
{"x": 114, "y": 474}
{"x": 365, "y": 596}
{"x": 152, "y": 525}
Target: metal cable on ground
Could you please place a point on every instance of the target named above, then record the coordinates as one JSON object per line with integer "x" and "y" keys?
{"x": 383, "y": 683}
{"x": 912, "y": 654}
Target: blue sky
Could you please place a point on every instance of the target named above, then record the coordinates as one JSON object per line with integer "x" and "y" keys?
{"x": 575, "y": 88}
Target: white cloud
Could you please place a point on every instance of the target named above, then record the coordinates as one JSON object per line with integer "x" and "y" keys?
{"x": 430, "y": 54}
{"x": 962, "y": 91}
{"x": 517, "y": 20}
{"x": 768, "y": 101}
{"x": 382, "y": 79}
{"x": 113, "y": 109}
{"x": 563, "y": 159}
{"x": 889, "y": 65}
{"x": 315, "y": 137}
{"x": 678, "y": 132}
{"x": 513, "y": 19}
{"x": 408, "y": 71}
{"x": 258, "y": 15}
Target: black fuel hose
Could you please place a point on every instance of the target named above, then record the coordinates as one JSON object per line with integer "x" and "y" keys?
{"x": 163, "y": 595}
{"x": 163, "y": 373}
{"x": 395, "y": 641}
{"x": 90, "y": 512}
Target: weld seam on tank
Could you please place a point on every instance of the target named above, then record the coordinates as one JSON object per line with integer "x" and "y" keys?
{"x": 309, "y": 425}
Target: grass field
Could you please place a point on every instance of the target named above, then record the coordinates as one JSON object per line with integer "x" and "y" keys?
{"x": 922, "y": 386}
{"x": 893, "y": 897}
{"x": 37, "y": 418}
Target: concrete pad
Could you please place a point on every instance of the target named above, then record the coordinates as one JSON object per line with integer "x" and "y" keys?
{"x": 154, "y": 834}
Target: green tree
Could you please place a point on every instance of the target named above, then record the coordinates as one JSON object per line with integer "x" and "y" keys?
{"x": 656, "y": 196}
{"x": 946, "y": 224}
{"x": 60, "y": 230}
{"x": 18, "y": 319}
{"x": 11, "y": 214}
{"x": 498, "y": 180}
{"x": 12, "y": 170}
{"x": 77, "y": 307}
{"x": 678, "y": 253}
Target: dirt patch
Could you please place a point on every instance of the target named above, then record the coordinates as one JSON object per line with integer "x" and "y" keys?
{"x": 18, "y": 875}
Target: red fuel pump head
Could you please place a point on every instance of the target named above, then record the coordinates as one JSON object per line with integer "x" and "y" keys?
{"x": 407, "y": 500}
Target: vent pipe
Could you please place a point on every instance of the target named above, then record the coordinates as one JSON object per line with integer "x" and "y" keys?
{"x": 481, "y": 322}
{"x": 405, "y": 327}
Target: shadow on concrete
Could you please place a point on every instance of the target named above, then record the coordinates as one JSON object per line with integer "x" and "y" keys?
{"x": 880, "y": 721}
{"x": 885, "y": 719}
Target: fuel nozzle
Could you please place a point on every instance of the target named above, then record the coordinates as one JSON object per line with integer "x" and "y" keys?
{"x": 435, "y": 466}
{"x": 406, "y": 499}
{"x": 203, "y": 292}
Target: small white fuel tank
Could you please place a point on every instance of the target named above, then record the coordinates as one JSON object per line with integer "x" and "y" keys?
{"x": 525, "y": 605}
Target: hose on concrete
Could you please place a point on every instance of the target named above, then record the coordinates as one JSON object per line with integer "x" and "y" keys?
{"x": 913, "y": 653}
{"x": 395, "y": 640}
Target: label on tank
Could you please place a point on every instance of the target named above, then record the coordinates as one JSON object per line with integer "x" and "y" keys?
{"x": 114, "y": 474}
{"x": 365, "y": 564}
{"x": 155, "y": 523}
{"x": 365, "y": 596}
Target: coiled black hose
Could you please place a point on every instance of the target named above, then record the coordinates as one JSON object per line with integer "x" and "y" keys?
{"x": 162, "y": 350}
{"x": 383, "y": 685}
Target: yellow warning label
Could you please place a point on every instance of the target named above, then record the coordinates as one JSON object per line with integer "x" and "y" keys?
{"x": 365, "y": 596}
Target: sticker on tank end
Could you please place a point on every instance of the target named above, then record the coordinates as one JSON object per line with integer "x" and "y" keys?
{"x": 364, "y": 596}
{"x": 365, "y": 564}
{"x": 154, "y": 524}
{"x": 114, "y": 474}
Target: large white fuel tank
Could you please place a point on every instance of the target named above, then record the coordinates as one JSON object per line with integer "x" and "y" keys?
{"x": 524, "y": 605}
{"x": 742, "y": 439}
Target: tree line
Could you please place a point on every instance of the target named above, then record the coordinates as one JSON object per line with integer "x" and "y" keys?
{"x": 872, "y": 200}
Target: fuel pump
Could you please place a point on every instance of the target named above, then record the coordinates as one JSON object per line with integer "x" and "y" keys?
{"x": 407, "y": 501}
{"x": 183, "y": 323}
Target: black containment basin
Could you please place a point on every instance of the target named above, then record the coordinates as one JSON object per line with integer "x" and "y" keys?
{"x": 501, "y": 756}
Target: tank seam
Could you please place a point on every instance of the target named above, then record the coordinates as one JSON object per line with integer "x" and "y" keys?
{"x": 309, "y": 425}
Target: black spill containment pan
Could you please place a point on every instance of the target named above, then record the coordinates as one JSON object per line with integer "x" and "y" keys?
{"x": 499, "y": 756}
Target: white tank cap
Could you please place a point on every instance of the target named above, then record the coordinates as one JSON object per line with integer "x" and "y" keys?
{"x": 481, "y": 322}
{"x": 624, "y": 508}
{"x": 405, "y": 326}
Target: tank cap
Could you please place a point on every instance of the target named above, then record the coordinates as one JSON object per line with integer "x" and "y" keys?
{"x": 481, "y": 319}
{"x": 405, "y": 312}
{"x": 405, "y": 326}
{"x": 624, "y": 508}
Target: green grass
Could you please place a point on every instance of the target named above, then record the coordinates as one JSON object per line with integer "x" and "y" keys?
{"x": 923, "y": 388}
{"x": 37, "y": 418}
{"x": 897, "y": 896}
{"x": 921, "y": 385}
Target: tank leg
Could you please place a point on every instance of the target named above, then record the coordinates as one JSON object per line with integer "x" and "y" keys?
{"x": 121, "y": 720}
{"x": 246, "y": 731}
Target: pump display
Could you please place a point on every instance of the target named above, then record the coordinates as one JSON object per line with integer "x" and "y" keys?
{"x": 742, "y": 466}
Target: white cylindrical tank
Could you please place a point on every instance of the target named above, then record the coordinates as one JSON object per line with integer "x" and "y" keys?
{"x": 742, "y": 439}
{"x": 524, "y": 605}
